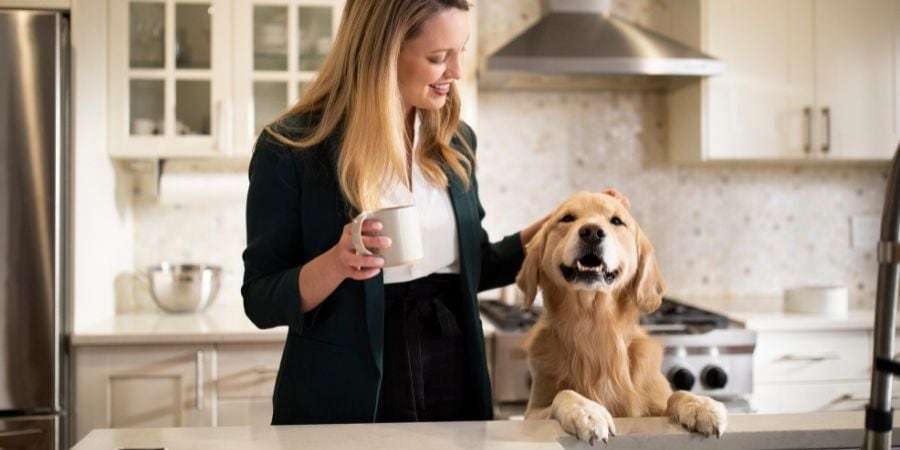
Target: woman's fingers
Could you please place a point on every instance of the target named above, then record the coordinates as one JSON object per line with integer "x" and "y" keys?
{"x": 615, "y": 193}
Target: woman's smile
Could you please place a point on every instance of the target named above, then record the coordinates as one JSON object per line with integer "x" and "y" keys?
{"x": 440, "y": 88}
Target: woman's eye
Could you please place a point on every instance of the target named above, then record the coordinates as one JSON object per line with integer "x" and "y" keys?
{"x": 567, "y": 218}
{"x": 617, "y": 221}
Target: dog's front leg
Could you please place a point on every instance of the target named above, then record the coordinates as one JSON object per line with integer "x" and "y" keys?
{"x": 584, "y": 418}
{"x": 697, "y": 413}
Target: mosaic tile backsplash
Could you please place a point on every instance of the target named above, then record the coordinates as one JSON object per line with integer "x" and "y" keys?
{"x": 737, "y": 228}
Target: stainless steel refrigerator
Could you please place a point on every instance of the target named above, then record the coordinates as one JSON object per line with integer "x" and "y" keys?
{"x": 35, "y": 190}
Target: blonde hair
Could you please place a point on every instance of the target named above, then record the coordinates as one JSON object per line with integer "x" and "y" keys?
{"x": 357, "y": 93}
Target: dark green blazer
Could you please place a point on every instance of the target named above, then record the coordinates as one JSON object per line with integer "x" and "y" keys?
{"x": 331, "y": 367}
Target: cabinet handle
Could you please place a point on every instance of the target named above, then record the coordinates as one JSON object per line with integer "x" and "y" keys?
{"x": 863, "y": 397}
{"x": 826, "y": 113}
{"x": 199, "y": 385}
{"x": 807, "y": 116}
{"x": 265, "y": 371}
{"x": 812, "y": 357}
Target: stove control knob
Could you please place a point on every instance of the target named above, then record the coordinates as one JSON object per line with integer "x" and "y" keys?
{"x": 714, "y": 377}
{"x": 681, "y": 378}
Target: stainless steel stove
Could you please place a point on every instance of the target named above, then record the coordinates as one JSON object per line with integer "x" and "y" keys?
{"x": 703, "y": 354}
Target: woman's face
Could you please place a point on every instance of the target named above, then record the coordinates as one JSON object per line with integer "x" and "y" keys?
{"x": 432, "y": 60}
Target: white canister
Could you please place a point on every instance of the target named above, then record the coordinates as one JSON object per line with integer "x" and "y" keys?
{"x": 823, "y": 300}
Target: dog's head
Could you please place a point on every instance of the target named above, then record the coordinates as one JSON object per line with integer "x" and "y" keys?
{"x": 591, "y": 243}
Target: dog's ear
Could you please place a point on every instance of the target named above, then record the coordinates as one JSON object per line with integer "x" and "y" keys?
{"x": 649, "y": 283}
{"x": 529, "y": 276}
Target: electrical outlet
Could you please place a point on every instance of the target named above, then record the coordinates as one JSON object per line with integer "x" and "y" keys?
{"x": 864, "y": 231}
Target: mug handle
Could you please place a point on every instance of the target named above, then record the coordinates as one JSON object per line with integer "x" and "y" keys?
{"x": 356, "y": 233}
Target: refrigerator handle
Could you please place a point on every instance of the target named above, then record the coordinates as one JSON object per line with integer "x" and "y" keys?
{"x": 199, "y": 374}
{"x": 21, "y": 438}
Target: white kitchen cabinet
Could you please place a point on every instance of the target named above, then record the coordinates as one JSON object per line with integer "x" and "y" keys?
{"x": 200, "y": 78}
{"x": 278, "y": 47}
{"x": 804, "y": 80}
{"x": 143, "y": 386}
{"x": 803, "y": 371}
{"x": 246, "y": 380}
{"x": 169, "y": 78}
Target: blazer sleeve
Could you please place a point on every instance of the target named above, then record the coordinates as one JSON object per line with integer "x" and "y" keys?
{"x": 274, "y": 253}
{"x": 501, "y": 260}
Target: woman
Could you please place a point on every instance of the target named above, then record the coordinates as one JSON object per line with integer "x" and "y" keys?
{"x": 379, "y": 126}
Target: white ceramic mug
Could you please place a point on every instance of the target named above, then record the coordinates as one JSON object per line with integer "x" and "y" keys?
{"x": 401, "y": 224}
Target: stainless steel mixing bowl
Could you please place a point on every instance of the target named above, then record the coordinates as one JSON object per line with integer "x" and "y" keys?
{"x": 180, "y": 288}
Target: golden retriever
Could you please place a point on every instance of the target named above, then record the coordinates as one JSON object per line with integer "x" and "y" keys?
{"x": 590, "y": 360}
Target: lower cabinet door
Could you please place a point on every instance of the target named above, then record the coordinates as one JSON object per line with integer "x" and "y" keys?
{"x": 246, "y": 381}
{"x": 143, "y": 387}
{"x": 811, "y": 397}
{"x": 234, "y": 412}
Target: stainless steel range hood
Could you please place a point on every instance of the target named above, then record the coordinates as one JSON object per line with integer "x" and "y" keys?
{"x": 581, "y": 37}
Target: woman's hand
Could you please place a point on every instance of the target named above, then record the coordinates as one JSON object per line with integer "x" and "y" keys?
{"x": 618, "y": 195}
{"x": 321, "y": 276}
{"x": 356, "y": 266}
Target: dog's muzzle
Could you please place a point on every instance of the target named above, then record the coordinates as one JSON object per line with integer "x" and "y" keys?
{"x": 589, "y": 267}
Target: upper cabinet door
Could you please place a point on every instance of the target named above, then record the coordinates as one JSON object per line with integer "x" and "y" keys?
{"x": 804, "y": 80}
{"x": 756, "y": 110}
{"x": 855, "y": 78}
{"x": 170, "y": 78}
{"x": 279, "y": 46}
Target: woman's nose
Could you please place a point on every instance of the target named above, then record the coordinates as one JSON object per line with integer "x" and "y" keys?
{"x": 454, "y": 67}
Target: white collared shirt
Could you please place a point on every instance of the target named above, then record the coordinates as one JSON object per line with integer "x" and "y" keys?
{"x": 439, "y": 240}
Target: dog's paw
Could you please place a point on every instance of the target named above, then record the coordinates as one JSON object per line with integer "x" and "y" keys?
{"x": 698, "y": 413}
{"x": 585, "y": 419}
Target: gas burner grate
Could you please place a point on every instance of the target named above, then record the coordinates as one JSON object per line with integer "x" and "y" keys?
{"x": 695, "y": 320}
{"x": 508, "y": 317}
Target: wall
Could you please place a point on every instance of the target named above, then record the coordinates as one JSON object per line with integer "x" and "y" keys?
{"x": 103, "y": 220}
{"x": 723, "y": 229}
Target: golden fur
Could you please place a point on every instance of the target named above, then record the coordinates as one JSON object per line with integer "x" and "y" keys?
{"x": 589, "y": 340}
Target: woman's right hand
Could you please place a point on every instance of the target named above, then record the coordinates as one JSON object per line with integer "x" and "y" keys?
{"x": 356, "y": 266}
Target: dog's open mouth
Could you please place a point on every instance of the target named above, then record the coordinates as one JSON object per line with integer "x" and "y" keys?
{"x": 590, "y": 268}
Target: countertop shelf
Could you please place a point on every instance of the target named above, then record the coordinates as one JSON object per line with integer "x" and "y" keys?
{"x": 766, "y": 313}
{"x": 219, "y": 324}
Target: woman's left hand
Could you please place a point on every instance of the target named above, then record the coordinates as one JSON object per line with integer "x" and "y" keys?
{"x": 618, "y": 195}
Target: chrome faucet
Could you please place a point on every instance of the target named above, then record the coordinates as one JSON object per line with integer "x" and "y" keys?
{"x": 879, "y": 414}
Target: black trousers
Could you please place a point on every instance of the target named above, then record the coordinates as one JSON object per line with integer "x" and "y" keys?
{"x": 424, "y": 357}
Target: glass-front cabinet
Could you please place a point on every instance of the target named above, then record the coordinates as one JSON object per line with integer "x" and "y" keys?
{"x": 201, "y": 78}
{"x": 285, "y": 43}
{"x": 170, "y": 87}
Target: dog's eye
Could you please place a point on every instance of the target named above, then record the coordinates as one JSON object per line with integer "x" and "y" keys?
{"x": 617, "y": 221}
{"x": 567, "y": 218}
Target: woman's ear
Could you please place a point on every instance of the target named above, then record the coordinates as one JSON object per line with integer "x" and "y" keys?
{"x": 648, "y": 281}
{"x": 529, "y": 277}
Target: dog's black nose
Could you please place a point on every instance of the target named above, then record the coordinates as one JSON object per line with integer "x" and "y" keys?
{"x": 591, "y": 234}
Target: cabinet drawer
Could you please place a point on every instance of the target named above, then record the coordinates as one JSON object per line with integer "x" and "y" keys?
{"x": 813, "y": 356}
{"x": 812, "y": 397}
{"x": 248, "y": 370}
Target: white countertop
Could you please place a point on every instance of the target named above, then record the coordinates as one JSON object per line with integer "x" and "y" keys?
{"x": 219, "y": 324}
{"x": 781, "y": 431}
{"x": 766, "y": 313}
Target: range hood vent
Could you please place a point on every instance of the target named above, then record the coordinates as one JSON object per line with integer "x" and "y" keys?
{"x": 581, "y": 37}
